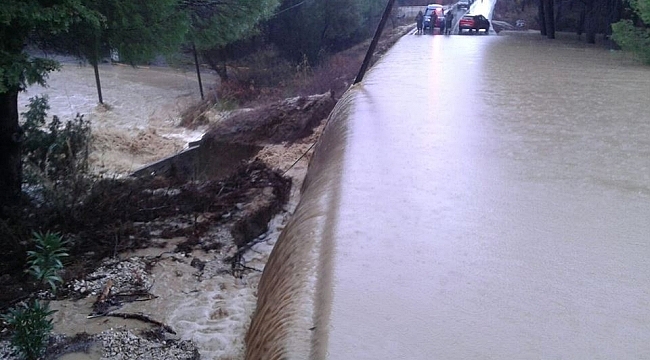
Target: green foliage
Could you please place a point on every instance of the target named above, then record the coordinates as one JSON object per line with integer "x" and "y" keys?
{"x": 56, "y": 150}
{"x": 633, "y": 38}
{"x": 218, "y": 23}
{"x": 22, "y": 20}
{"x": 323, "y": 26}
{"x": 19, "y": 70}
{"x": 46, "y": 261}
{"x": 31, "y": 325}
{"x": 137, "y": 30}
{"x": 140, "y": 30}
{"x": 643, "y": 9}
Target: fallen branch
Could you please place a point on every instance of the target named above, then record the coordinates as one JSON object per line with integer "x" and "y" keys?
{"x": 134, "y": 296}
{"x": 244, "y": 267}
{"x": 140, "y": 317}
{"x": 235, "y": 261}
{"x": 242, "y": 250}
{"x": 106, "y": 300}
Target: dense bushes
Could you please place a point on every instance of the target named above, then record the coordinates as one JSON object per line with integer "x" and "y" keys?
{"x": 635, "y": 38}
{"x": 319, "y": 27}
{"x": 55, "y": 154}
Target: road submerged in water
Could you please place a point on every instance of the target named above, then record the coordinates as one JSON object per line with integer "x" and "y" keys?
{"x": 494, "y": 203}
{"x": 482, "y": 197}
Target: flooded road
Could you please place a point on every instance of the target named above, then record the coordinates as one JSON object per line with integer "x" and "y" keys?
{"x": 495, "y": 198}
{"x": 139, "y": 124}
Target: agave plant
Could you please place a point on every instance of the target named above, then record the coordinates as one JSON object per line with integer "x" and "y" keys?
{"x": 45, "y": 262}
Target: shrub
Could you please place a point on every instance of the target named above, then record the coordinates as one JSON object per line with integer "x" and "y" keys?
{"x": 631, "y": 38}
{"x": 45, "y": 262}
{"x": 55, "y": 150}
{"x": 31, "y": 325}
{"x": 237, "y": 92}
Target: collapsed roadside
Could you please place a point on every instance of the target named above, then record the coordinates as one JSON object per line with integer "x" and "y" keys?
{"x": 179, "y": 254}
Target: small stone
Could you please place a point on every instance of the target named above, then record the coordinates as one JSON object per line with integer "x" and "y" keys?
{"x": 198, "y": 264}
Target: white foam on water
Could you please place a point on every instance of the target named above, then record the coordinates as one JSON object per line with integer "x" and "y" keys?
{"x": 137, "y": 100}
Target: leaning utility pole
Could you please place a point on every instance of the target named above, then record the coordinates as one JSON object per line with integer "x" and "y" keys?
{"x": 375, "y": 40}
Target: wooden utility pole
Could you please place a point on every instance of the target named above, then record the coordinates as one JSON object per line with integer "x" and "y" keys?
{"x": 198, "y": 69}
{"x": 375, "y": 40}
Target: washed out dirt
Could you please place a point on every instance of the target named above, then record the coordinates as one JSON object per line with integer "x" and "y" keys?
{"x": 167, "y": 267}
{"x": 176, "y": 256}
{"x": 138, "y": 122}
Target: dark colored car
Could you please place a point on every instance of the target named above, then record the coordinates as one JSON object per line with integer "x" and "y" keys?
{"x": 428, "y": 14}
{"x": 473, "y": 23}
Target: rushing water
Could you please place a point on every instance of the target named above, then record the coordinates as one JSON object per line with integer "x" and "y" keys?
{"x": 484, "y": 197}
{"x": 499, "y": 208}
{"x": 493, "y": 201}
{"x": 139, "y": 123}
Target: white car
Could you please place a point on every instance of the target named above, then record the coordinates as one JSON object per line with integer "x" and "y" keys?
{"x": 463, "y": 4}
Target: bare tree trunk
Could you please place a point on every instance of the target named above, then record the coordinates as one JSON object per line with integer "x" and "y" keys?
{"x": 216, "y": 59}
{"x": 614, "y": 11}
{"x": 590, "y": 22}
{"x": 559, "y": 13}
{"x": 549, "y": 18}
{"x": 10, "y": 149}
{"x": 615, "y": 15}
{"x": 581, "y": 21}
{"x": 542, "y": 17}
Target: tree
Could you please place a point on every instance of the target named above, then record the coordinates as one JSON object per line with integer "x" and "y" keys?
{"x": 217, "y": 23}
{"x": 320, "y": 26}
{"x": 136, "y": 30}
{"x": 20, "y": 22}
{"x": 635, "y": 36}
{"x": 547, "y": 18}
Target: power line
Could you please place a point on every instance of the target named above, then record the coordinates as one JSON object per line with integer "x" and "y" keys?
{"x": 289, "y": 8}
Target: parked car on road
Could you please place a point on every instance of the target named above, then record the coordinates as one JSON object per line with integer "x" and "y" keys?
{"x": 473, "y": 23}
{"x": 428, "y": 14}
{"x": 463, "y": 5}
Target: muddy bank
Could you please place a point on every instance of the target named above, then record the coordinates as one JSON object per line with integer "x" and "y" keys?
{"x": 284, "y": 121}
{"x": 137, "y": 124}
{"x": 185, "y": 253}
{"x": 242, "y": 134}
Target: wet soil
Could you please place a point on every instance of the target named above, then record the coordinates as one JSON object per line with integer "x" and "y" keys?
{"x": 177, "y": 216}
{"x": 125, "y": 214}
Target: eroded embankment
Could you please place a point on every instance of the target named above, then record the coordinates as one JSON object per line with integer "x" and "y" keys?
{"x": 293, "y": 305}
{"x": 470, "y": 230}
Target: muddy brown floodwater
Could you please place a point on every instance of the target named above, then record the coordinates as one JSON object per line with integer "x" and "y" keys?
{"x": 494, "y": 203}
{"x": 139, "y": 123}
{"x": 525, "y": 163}
{"x": 196, "y": 291}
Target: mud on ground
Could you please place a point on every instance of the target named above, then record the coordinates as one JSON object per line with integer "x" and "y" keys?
{"x": 129, "y": 232}
{"x": 116, "y": 229}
